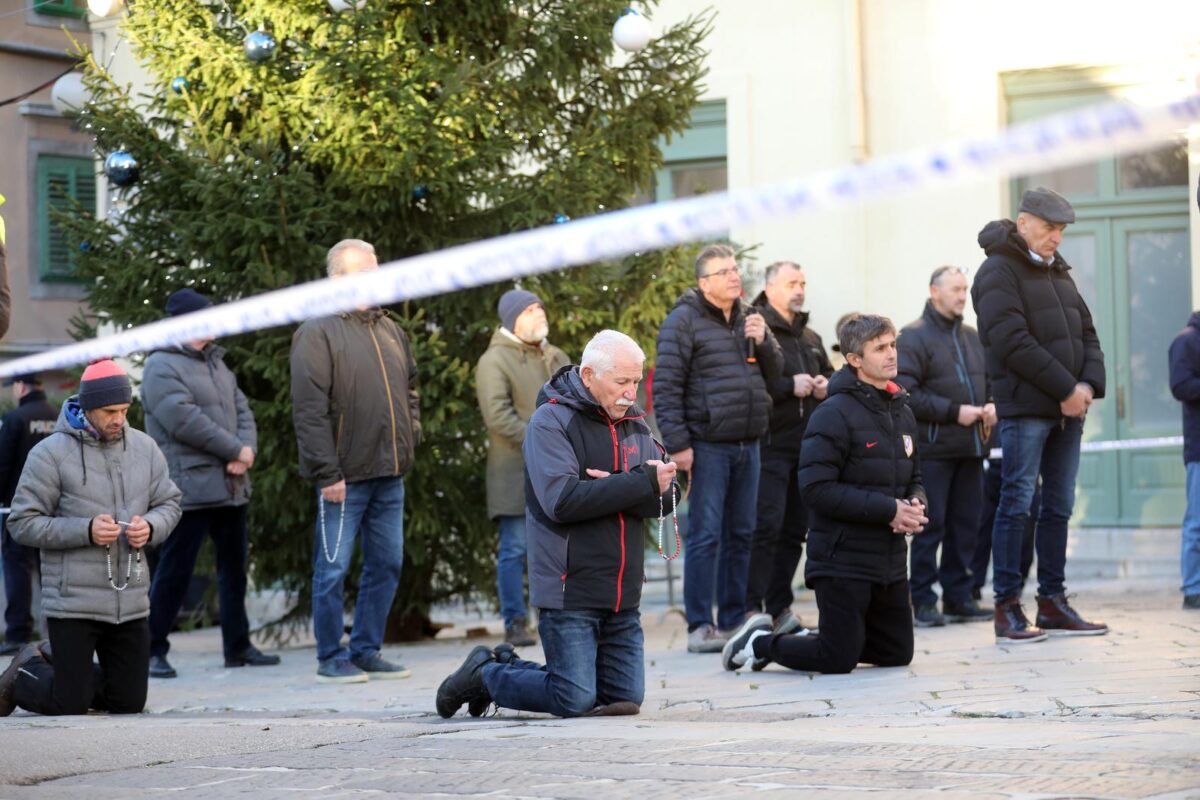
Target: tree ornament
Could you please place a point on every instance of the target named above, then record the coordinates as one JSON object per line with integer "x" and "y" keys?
{"x": 179, "y": 84}
{"x": 259, "y": 46}
{"x": 560, "y": 218}
{"x": 105, "y": 8}
{"x": 420, "y": 191}
{"x": 632, "y": 31}
{"x": 345, "y": 5}
{"x": 69, "y": 93}
{"x": 121, "y": 167}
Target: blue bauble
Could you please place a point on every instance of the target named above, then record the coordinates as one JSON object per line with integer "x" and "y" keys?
{"x": 560, "y": 218}
{"x": 179, "y": 84}
{"x": 420, "y": 191}
{"x": 259, "y": 46}
{"x": 121, "y": 168}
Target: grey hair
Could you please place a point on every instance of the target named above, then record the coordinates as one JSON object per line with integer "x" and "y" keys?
{"x": 773, "y": 269}
{"x": 600, "y": 353}
{"x": 333, "y": 259}
{"x": 854, "y": 333}
{"x": 936, "y": 278}
{"x": 709, "y": 253}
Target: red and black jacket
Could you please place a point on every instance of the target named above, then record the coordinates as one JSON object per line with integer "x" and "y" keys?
{"x": 584, "y": 535}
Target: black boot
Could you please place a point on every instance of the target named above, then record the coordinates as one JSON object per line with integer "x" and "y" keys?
{"x": 465, "y": 684}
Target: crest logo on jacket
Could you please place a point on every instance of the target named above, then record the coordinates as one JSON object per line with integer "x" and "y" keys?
{"x": 908, "y": 445}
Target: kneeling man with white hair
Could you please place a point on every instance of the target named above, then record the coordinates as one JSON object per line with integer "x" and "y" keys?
{"x": 592, "y": 473}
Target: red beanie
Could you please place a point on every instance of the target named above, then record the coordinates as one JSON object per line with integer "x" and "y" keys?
{"x": 104, "y": 383}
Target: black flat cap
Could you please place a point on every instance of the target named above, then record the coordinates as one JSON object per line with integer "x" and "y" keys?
{"x": 28, "y": 377}
{"x": 1049, "y": 205}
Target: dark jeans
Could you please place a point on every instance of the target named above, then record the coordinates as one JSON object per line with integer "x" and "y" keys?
{"x": 983, "y": 542}
{"x": 861, "y": 622}
{"x": 1034, "y": 446}
{"x": 173, "y": 574}
{"x": 954, "y": 487}
{"x": 779, "y": 535}
{"x": 20, "y": 569}
{"x": 720, "y": 532}
{"x": 75, "y": 684}
{"x": 510, "y": 568}
{"x": 593, "y": 658}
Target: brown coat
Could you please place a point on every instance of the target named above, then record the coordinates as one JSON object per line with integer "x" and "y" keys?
{"x": 507, "y": 381}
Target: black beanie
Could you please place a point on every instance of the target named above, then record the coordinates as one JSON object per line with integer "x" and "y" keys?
{"x": 185, "y": 301}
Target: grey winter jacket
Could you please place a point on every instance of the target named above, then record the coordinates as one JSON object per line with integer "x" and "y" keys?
{"x": 69, "y": 479}
{"x": 201, "y": 421}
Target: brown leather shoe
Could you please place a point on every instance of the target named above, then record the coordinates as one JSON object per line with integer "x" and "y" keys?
{"x": 1056, "y": 616}
{"x": 8, "y": 680}
{"x": 1012, "y": 626}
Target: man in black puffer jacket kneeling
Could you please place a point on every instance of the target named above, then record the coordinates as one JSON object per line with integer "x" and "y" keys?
{"x": 860, "y": 477}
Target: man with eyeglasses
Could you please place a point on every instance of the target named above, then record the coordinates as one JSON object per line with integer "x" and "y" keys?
{"x": 942, "y": 369}
{"x": 711, "y": 403}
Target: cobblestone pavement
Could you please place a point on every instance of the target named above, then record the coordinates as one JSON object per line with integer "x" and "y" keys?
{"x": 1115, "y": 716}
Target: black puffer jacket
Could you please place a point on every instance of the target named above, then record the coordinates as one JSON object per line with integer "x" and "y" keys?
{"x": 704, "y": 388}
{"x": 803, "y": 353}
{"x": 858, "y": 458}
{"x": 1035, "y": 328}
{"x": 30, "y": 422}
{"x": 942, "y": 369}
{"x": 585, "y": 537}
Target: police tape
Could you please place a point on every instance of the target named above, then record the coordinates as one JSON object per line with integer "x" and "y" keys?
{"x": 1056, "y": 141}
{"x": 1110, "y": 445}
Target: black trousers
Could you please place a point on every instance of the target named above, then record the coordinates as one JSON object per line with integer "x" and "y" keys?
{"x": 954, "y": 487}
{"x": 779, "y": 535}
{"x": 21, "y": 569}
{"x": 173, "y": 574}
{"x": 861, "y": 622}
{"x": 983, "y": 541}
{"x": 75, "y": 684}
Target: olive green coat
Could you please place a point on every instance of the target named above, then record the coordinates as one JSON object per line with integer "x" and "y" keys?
{"x": 507, "y": 381}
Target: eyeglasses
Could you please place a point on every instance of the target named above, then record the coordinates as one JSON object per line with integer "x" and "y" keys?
{"x": 721, "y": 273}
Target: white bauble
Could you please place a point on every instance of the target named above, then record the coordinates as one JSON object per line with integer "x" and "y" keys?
{"x": 105, "y": 8}
{"x": 632, "y": 31}
{"x": 346, "y": 5}
{"x": 69, "y": 93}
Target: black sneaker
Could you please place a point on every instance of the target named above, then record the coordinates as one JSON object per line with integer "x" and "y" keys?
{"x": 252, "y": 657}
{"x": 1191, "y": 601}
{"x": 928, "y": 617}
{"x": 8, "y": 679}
{"x": 465, "y": 683}
{"x": 161, "y": 668}
{"x": 739, "y": 650}
{"x": 968, "y": 611}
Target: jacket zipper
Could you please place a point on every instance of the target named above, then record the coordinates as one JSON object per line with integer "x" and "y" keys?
{"x": 966, "y": 379}
{"x": 612, "y": 429}
{"x": 387, "y": 385}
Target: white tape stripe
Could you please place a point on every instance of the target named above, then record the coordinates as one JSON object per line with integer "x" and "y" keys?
{"x": 1061, "y": 140}
{"x": 1116, "y": 444}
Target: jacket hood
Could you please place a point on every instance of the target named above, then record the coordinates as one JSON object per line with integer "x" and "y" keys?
{"x": 72, "y": 421}
{"x": 566, "y": 388}
{"x": 695, "y": 298}
{"x": 1194, "y": 321}
{"x": 502, "y": 337}
{"x": 1000, "y": 237}
{"x": 775, "y": 320}
{"x": 211, "y": 351}
{"x": 934, "y": 317}
{"x": 845, "y": 381}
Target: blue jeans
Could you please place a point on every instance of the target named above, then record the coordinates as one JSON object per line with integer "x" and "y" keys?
{"x": 593, "y": 658}
{"x": 1189, "y": 561}
{"x": 376, "y": 509}
{"x": 510, "y": 568}
{"x": 1034, "y": 446}
{"x": 723, "y": 502}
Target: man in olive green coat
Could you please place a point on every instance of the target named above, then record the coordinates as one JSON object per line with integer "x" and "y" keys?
{"x": 512, "y": 371}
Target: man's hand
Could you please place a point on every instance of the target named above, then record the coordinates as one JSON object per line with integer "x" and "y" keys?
{"x": 820, "y": 387}
{"x": 969, "y": 415}
{"x": 246, "y": 457}
{"x": 989, "y": 415}
{"x": 597, "y": 473}
{"x": 756, "y": 328}
{"x": 335, "y": 492}
{"x": 1077, "y": 404}
{"x": 105, "y": 529}
{"x": 909, "y": 518}
{"x": 683, "y": 460}
{"x": 803, "y": 385}
{"x": 236, "y": 467}
{"x": 138, "y": 532}
{"x": 665, "y": 473}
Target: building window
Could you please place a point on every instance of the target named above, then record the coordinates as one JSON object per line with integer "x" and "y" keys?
{"x": 61, "y": 8}
{"x": 62, "y": 182}
{"x": 694, "y": 162}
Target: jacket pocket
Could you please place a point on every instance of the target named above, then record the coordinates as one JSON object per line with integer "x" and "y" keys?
{"x": 823, "y": 545}
{"x": 64, "y": 585}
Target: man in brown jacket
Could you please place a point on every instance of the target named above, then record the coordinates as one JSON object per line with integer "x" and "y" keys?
{"x": 512, "y": 371}
{"x": 357, "y": 419}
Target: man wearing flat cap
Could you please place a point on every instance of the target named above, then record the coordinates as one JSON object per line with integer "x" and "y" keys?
{"x": 1045, "y": 367}
{"x": 20, "y": 429}
{"x": 510, "y": 373}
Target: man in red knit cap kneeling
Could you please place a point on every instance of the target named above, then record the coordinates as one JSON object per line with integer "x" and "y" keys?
{"x": 92, "y": 495}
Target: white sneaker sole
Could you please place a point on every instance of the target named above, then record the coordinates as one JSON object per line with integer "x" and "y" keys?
{"x": 345, "y": 679}
{"x": 389, "y": 676}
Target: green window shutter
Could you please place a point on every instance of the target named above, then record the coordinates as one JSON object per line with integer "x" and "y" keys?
{"x": 61, "y": 8}
{"x": 62, "y": 181}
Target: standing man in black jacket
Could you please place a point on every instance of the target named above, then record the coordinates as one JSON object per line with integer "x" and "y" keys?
{"x": 592, "y": 474}
{"x": 20, "y": 429}
{"x": 711, "y": 402}
{"x": 941, "y": 368}
{"x": 782, "y": 519}
{"x": 860, "y": 477}
{"x": 1185, "y": 386}
{"x": 1046, "y": 368}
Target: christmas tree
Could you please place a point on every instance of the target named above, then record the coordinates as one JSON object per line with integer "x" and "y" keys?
{"x": 273, "y": 130}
